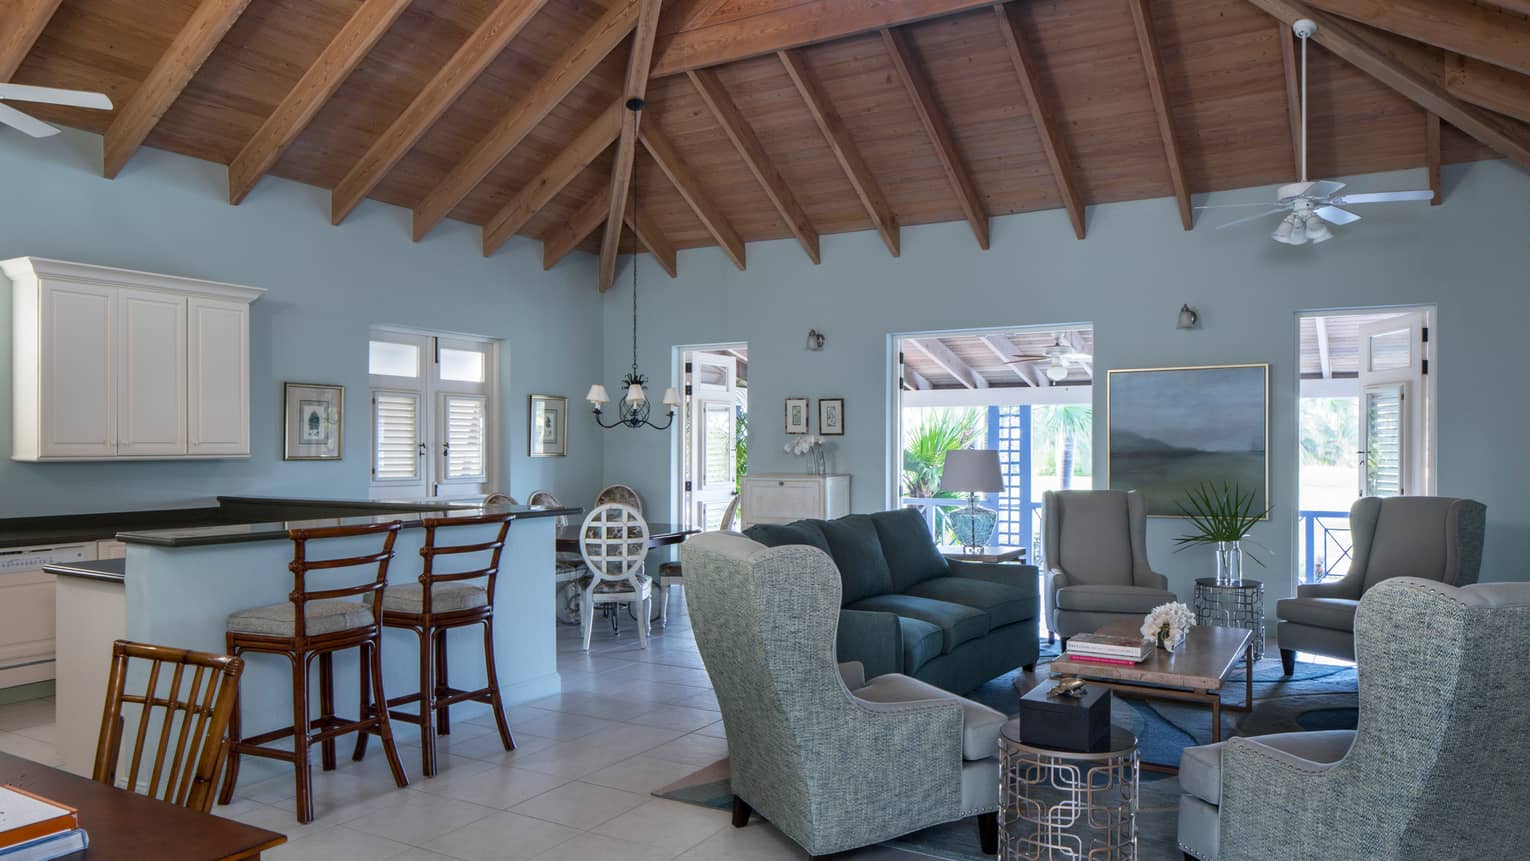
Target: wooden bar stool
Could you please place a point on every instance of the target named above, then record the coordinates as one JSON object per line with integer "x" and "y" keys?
{"x": 440, "y": 602}
{"x": 315, "y": 624}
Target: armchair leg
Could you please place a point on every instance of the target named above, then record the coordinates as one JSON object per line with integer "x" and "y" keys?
{"x": 1029, "y": 668}
{"x": 1189, "y": 857}
{"x": 741, "y": 812}
{"x": 988, "y": 832}
{"x": 1051, "y": 637}
{"x": 1064, "y": 646}
{"x": 1287, "y": 661}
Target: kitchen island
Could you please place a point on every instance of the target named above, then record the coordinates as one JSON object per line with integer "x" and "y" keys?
{"x": 177, "y": 587}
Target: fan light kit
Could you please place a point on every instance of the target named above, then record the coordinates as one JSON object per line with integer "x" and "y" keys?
{"x": 48, "y": 96}
{"x": 1309, "y": 207}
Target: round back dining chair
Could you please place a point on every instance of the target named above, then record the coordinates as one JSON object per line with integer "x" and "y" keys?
{"x": 546, "y": 499}
{"x": 620, "y": 494}
{"x": 499, "y": 499}
{"x": 613, "y": 541}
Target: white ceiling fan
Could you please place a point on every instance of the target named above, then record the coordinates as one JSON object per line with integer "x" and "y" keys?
{"x": 47, "y": 95}
{"x": 1310, "y": 207}
{"x": 1058, "y": 356}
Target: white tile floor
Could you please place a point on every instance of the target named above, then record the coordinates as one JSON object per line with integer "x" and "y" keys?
{"x": 629, "y": 721}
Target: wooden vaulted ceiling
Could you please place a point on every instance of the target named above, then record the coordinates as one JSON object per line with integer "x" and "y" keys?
{"x": 772, "y": 119}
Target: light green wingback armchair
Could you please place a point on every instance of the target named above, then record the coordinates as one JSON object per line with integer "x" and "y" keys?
{"x": 833, "y": 761}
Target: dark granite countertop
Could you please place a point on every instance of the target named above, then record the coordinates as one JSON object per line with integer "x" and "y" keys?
{"x": 111, "y": 570}
{"x": 233, "y": 533}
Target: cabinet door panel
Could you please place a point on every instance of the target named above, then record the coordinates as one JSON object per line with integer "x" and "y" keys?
{"x": 79, "y": 370}
{"x": 151, "y": 352}
{"x": 219, "y": 377}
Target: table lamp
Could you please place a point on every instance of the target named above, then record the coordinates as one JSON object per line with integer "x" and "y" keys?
{"x": 973, "y": 471}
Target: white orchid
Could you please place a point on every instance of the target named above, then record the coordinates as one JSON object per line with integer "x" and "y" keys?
{"x": 803, "y": 444}
{"x": 1171, "y": 620}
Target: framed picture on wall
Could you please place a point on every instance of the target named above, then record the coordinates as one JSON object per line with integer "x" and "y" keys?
{"x": 796, "y": 415}
{"x": 831, "y": 416}
{"x": 548, "y": 433}
{"x": 314, "y": 425}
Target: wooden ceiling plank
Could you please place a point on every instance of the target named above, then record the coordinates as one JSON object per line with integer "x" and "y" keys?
{"x": 567, "y": 236}
{"x": 941, "y": 355}
{"x": 1432, "y": 153}
{"x": 1455, "y": 25}
{"x": 1047, "y": 127}
{"x": 1488, "y": 86}
{"x": 1147, "y": 43}
{"x": 1506, "y": 137}
{"x": 1520, "y": 6}
{"x": 917, "y": 83}
{"x": 791, "y": 25}
{"x": 733, "y": 124}
{"x": 1005, "y": 349}
{"x": 685, "y": 181}
{"x": 571, "y": 67}
{"x": 543, "y": 187}
{"x": 472, "y": 57}
{"x": 636, "y": 87}
{"x": 26, "y": 22}
{"x": 170, "y": 75}
{"x": 844, "y": 149}
{"x": 653, "y": 239}
{"x": 1289, "y": 68}
{"x": 313, "y": 90}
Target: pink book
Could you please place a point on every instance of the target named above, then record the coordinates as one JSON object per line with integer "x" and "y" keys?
{"x": 1091, "y": 659}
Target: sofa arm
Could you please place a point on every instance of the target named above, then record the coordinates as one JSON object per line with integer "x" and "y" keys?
{"x": 1258, "y": 778}
{"x": 1153, "y": 580}
{"x": 1341, "y": 588}
{"x": 1021, "y": 576}
{"x": 872, "y": 638}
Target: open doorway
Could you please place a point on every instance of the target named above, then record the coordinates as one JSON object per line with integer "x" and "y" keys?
{"x": 1367, "y": 422}
{"x": 714, "y": 449}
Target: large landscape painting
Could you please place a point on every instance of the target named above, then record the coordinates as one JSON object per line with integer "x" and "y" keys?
{"x": 1171, "y": 429}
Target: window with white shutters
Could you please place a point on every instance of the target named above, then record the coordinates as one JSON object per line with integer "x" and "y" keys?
{"x": 463, "y": 456}
{"x": 1384, "y": 443}
{"x": 396, "y": 439}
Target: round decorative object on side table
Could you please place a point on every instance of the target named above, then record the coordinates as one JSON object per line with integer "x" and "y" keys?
{"x": 1061, "y": 804}
{"x": 1225, "y": 606}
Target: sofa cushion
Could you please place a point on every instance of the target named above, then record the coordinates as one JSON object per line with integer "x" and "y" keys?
{"x": 1094, "y": 541}
{"x": 1112, "y": 599}
{"x": 1005, "y": 605}
{"x": 910, "y": 551}
{"x": 1200, "y": 768}
{"x": 980, "y": 724}
{"x": 1337, "y": 614}
{"x": 857, "y": 550}
{"x": 957, "y": 623}
{"x": 921, "y": 642}
{"x": 784, "y": 534}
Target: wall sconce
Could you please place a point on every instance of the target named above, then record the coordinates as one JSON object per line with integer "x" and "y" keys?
{"x": 1189, "y": 318}
{"x": 815, "y": 340}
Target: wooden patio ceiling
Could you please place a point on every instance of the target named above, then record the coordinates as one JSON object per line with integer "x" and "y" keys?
{"x": 769, "y": 119}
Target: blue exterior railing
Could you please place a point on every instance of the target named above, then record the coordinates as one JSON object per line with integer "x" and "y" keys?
{"x": 1327, "y": 547}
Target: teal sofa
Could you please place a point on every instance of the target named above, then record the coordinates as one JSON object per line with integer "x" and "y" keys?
{"x": 906, "y": 609}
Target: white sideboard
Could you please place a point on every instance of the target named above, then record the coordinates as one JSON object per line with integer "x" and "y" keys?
{"x": 111, "y": 364}
{"x": 785, "y": 497}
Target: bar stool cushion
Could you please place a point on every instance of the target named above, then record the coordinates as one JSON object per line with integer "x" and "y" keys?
{"x": 444, "y": 598}
{"x": 325, "y": 616}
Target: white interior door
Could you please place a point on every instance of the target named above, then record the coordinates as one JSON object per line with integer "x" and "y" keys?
{"x": 1395, "y": 408}
{"x": 711, "y": 419}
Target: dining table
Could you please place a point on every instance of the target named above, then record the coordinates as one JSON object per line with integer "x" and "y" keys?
{"x": 126, "y": 826}
{"x": 659, "y": 535}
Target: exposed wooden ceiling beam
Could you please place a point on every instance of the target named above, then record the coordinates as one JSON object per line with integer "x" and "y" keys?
{"x": 482, "y": 46}
{"x": 1320, "y": 325}
{"x": 638, "y": 63}
{"x": 648, "y": 232}
{"x": 1455, "y": 25}
{"x": 1488, "y": 86}
{"x": 1432, "y": 154}
{"x": 565, "y": 73}
{"x": 1158, "y": 88}
{"x": 1507, "y": 138}
{"x": 313, "y": 90}
{"x": 844, "y": 149}
{"x": 1005, "y": 349}
{"x": 917, "y": 83}
{"x": 753, "y": 153}
{"x": 1047, "y": 127}
{"x": 686, "y": 182}
{"x": 567, "y": 236}
{"x": 941, "y": 355}
{"x": 543, "y": 187}
{"x": 1520, "y": 6}
{"x": 26, "y": 22}
{"x": 790, "y": 25}
{"x": 196, "y": 40}
{"x": 1288, "y": 64}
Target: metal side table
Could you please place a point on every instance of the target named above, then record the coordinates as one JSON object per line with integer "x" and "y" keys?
{"x": 1232, "y": 606}
{"x": 1059, "y": 804}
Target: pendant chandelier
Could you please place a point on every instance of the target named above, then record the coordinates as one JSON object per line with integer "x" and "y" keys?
{"x": 634, "y": 409}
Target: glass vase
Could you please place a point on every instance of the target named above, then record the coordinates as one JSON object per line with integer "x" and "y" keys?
{"x": 1229, "y": 563}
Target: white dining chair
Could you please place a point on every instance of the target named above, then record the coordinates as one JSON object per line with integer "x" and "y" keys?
{"x": 620, "y": 494}
{"x": 672, "y": 573}
{"x": 614, "y": 542}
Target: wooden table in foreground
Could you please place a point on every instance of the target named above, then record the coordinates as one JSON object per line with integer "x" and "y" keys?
{"x": 659, "y": 535}
{"x": 989, "y": 554}
{"x": 124, "y": 826}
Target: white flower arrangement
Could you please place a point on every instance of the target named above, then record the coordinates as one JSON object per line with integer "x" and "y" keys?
{"x": 1168, "y": 623}
{"x": 803, "y": 444}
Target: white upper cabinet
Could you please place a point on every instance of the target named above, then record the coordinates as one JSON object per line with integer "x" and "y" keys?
{"x": 114, "y": 364}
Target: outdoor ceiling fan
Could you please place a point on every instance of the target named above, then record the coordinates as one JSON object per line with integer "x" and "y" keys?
{"x": 1058, "y": 356}
{"x": 1309, "y": 207}
{"x": 46, "y": 95}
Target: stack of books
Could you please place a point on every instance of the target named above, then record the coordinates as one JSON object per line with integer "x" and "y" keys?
{"x": 33, "y": 828}
{"x": 1102, "y": 649}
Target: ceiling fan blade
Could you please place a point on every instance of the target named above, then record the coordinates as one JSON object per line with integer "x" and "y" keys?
{"x": 21, "y": 122}
{"x": 1335, "y": 215}
{"x": 1020, "y": 360}
{"x": 1293, "y": 190}
{"x": 1323, "y": 188}
{"x": 1231, "y": 205}
{"x": 1383, "y": 197}
{"x": 55, "y": 96}
{"x": 1254, "y": 217}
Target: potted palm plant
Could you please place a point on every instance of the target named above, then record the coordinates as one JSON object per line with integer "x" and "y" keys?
{"x": 1222, "y": 517}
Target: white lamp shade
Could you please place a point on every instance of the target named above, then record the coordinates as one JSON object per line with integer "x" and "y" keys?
{"x": 671, "y": 397}
{"x": 972, "y": 471}
{"x": 635, "y": 394}
{"x": 1057, "y": 372}
{"x": 597, "y": 395}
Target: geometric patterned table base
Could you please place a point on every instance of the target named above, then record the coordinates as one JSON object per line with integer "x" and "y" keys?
{"x": 1232, "y": 607}
{"x": 1062, "y": 805}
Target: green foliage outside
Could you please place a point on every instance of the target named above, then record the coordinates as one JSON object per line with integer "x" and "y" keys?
{"x": 740, "y": 448}
{"x": 925, "y": 444}
{"x": 1330, "y": 431}
{"x": 1063, "y": 444}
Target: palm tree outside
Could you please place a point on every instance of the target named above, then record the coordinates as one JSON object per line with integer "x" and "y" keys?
{"x": 1068, "y": 424}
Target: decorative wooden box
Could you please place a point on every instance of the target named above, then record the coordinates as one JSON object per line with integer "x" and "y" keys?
{"x": 1066, "y": 723}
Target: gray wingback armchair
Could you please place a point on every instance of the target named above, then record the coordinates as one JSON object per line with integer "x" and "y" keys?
{"x": 1433, "y": 537}
{"x": 833, "y": 761}
{"x": 1095, "y": 547}
{"x": 1436, "y": 768}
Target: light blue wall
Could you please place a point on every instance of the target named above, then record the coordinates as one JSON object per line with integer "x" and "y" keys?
{"x": 1470, "y": 256}
{"x": 327, "y": 285}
